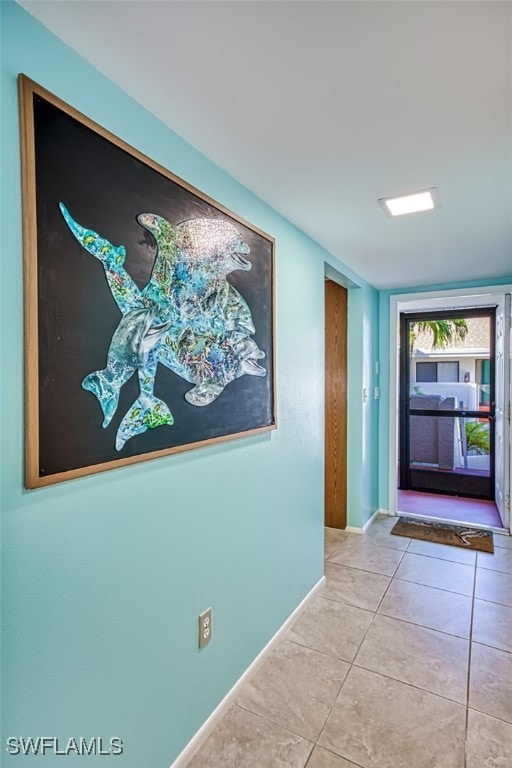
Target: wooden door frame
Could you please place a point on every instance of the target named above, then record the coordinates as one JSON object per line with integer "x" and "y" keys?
{"x": 336, "y": 375}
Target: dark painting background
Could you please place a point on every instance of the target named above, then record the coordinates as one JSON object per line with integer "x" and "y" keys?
{"x": 104, "y": 188}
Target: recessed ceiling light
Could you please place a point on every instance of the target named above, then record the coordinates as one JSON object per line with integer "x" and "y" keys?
{"x": 425, "y": 200}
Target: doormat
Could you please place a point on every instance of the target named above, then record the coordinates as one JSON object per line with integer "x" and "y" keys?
{"x": 443, "y": 533}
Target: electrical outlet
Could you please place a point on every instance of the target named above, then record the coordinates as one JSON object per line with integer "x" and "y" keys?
{"x": 205, "y": 627}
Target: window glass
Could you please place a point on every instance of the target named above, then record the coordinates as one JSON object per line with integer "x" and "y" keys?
{"x": 426, "y": 372}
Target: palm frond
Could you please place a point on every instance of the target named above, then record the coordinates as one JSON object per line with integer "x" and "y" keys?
{"x": 443, "y": 332}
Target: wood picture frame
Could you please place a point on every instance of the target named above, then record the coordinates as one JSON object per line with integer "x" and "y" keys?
{"x": 149, "y": 307}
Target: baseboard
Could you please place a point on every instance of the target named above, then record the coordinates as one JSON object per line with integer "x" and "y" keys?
{"x": 202, "y": 734}
{"x": 361, "y": 530}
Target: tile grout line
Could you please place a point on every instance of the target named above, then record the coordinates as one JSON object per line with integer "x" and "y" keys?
{"x": 268, "y": 719}
{"x": 315, "y": 650}
{"x": 350, "y": 605}
{"x": 358, "y": 568}
{"x": 412, "y": 623}
{"x": 492, "y": 602}
{"x": 375, "y": 613}
{"x": 314, "y": 742}
{"x": 377, "y": 573}
{"x": 351, "y": 664}
{"x": 335, "y": 754}
{"x": 491, "y": 717}
{"x": 419, "y": 583}
{"x": 275, "y": 723}
{"x": 389, "y": 677}
{"x": 423, "y": 626}
{"x": 466, "y": 728}
{"x": 443, "y": 559}
{"x": 411, "y": 685}
{"x": 494, "y": 570}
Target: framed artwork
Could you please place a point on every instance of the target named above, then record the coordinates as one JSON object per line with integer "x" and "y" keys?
{"x": 149, "y": 307}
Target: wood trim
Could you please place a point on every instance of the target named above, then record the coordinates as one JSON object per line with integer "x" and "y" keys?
{"x": 336, "y": 305}
{"x": 30, "y": 298}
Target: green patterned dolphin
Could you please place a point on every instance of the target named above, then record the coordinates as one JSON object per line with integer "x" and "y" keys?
{"x": 188, "y": 317}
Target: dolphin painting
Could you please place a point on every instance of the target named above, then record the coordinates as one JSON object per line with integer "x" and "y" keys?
{"x": 188, "y": 317}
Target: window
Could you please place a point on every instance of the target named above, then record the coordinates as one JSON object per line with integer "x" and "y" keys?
{"x": 483, "y": 378}
{"x": 437, "y": 372}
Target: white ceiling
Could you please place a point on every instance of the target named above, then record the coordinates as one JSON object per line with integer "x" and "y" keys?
{"x": 321, "y": 108}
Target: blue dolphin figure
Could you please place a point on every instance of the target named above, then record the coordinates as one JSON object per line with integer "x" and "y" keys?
{"x": 188, "y": 317}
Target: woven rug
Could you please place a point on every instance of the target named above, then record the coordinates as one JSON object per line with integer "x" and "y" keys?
{"x": 444, "y": 533}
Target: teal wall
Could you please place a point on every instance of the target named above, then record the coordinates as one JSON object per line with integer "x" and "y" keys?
{"x": 384, "y": 341}
{"x": 363, "y": 414}
{"x": 104, "y": 577}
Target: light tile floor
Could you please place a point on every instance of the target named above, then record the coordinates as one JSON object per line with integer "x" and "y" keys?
{"x": 404, "y": 660}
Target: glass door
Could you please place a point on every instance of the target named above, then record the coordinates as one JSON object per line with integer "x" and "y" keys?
{"x": 447, "y": 404}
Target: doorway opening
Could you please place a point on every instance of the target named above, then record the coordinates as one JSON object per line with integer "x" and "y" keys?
{"x": 451, "y": 437}
{"x": 447, "y": 402}
{"x": 455, "y": 509}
